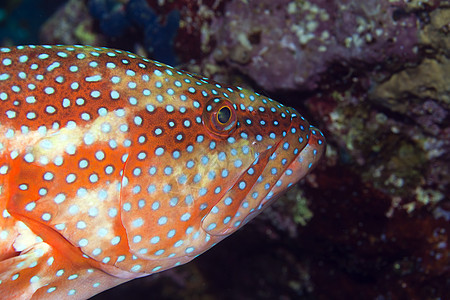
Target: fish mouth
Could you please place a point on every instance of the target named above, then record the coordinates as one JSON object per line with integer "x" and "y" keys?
{"x": 272, "y": 172}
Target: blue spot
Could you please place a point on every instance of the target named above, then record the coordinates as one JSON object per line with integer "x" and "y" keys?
{"x": 159, "y": 252}
{"x": 238, "y": 163}
{"x": 159, "y": 151}
{"x": 176, "y": 154}
{"x": 162, "y": 220}
{"x": 167, "y": 188}
{"x": 173, "y": 201}
{"x": 222, "y": 156}
{"x": 228, "y": 201}
{"x": 202, "y": 191}
{"x": 152, "y": 171}
{"x": 189, "y": 200}
{"x": 224, "y": 173}
{"x": 168, "y": 170}
{"x": 197, "y": 178}
{"x": 185, "y": 217}
{"x": 242, "y": 185}
{"x": 182, "y": 179}
{"x": 151, "y": 189}
{"x": 136, "y": 189}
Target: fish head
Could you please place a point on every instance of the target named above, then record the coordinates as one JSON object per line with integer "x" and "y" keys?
{"x": 211, "y": 167}
{"x": 269, "y": 147}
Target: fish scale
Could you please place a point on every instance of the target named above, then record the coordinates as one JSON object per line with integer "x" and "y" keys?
{"x": 113, "y": 166}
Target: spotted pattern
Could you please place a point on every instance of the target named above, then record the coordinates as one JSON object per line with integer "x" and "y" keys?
{"x": 113, "y": 166}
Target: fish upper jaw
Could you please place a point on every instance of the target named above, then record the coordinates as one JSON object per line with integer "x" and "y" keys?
{"x": 272, "y": 172}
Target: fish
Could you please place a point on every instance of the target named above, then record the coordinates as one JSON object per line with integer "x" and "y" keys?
{"x": 114, "y": 166}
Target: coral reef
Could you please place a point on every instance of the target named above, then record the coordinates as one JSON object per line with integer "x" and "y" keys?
{"x": 290, "y": 44}
{"x": 132, "y": 25}
{"x": 116, "y": 18}
{"x": 71, "y": 24}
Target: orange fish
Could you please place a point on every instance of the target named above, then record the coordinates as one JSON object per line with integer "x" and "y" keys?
{"x": 113, "y": 167}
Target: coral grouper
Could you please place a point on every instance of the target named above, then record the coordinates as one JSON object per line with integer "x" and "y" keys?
{"x": 113, "y": 167}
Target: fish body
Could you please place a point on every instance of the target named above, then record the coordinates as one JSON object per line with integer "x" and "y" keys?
{"x": 113, "y": 167}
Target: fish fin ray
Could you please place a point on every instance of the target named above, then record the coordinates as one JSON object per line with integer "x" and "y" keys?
{"x": 40, "y": 271}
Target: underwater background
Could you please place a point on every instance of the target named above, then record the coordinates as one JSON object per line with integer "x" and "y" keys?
{"x": 373, "y": 220}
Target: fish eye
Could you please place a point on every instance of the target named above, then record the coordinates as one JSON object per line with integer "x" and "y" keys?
{"x": 224, "y": 115}
{"x": 219, "y": 117}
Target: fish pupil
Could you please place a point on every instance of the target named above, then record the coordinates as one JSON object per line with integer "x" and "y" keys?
{"x": 224, "y": 115}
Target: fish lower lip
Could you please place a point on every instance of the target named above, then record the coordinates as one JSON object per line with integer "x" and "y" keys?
{"x": 237, "y": 211}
